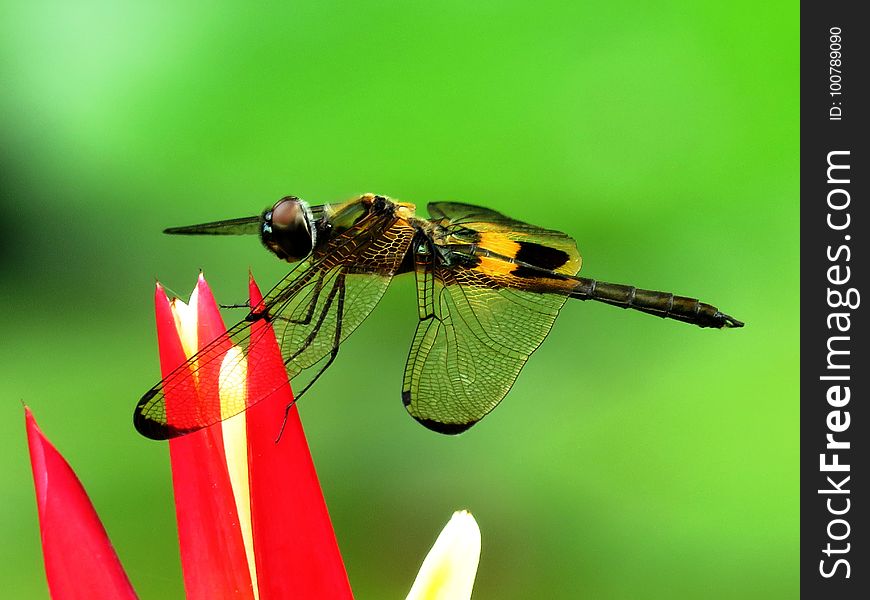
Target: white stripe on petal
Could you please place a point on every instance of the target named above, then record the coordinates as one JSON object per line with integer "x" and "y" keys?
{"x": 233, "y": 389}
{"x": 185, "y": 321}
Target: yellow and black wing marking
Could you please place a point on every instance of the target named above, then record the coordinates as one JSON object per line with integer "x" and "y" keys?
{"x": 507, "y": 238}
{"x": 312, "y": 310}
{"x": 489, "y": 290}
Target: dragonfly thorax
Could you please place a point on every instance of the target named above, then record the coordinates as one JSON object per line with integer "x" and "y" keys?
{"x": 288, "y": 229}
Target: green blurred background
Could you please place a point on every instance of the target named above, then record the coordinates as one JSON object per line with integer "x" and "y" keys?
{"x": 634, "y": 458}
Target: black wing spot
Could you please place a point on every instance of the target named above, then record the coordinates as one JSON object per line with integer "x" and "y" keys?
{"x": 155, "y": 430}
{"x": 445, "y": 428}
{"x": 541, "y": 256}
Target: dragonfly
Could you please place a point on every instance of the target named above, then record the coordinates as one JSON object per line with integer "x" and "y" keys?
{"x": 489, "y": 289}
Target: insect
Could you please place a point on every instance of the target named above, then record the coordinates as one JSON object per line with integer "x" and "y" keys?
{"x": 488, "y": 291}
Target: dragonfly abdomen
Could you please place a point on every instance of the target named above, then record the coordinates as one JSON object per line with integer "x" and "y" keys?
{"x": 662, "y": 304}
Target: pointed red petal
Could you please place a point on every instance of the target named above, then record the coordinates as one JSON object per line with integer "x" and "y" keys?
{"x": 79, "y": 559}
{"x": 295, "y": 547}
{"x": 209, "y": 322}
{"x": 212, "y": 552}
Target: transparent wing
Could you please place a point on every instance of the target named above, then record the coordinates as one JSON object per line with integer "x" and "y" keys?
{"x": 479, "y": 323}
{"x": 459, "y": 213}
{"x": 456, "y": 215}
{"x": 333, "y": 307}
{"x": 470, "y": 347}
{"x": 312, "y": 310}
{"x": 241, "y": 226}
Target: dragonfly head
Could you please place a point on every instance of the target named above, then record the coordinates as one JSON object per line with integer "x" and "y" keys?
{"x": 288, "y": 229}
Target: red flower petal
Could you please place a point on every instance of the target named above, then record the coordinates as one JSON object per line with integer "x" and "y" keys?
{"x": 79, "y": 559}
{"x": 296, "y": 552}
{"x": 213, "y": 556}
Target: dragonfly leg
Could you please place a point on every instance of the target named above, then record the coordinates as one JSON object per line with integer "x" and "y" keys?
{"x": 336, "y": 342}
{"x": 327, "y": 304}
{"x": 312, "y": 304}
{"x": 336, "y": 338}
{"x": 245, "y": 304}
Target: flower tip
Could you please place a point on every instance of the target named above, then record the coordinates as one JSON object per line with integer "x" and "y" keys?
{"x": 463, "y": 514}
{"x": 161, "y": 298}
{"x": 255, "y": 296}
{"x": 34, "y": 433}
{"x": 28, "y": 418}
{"x": 451, "y": 565}
{"x": 464, "y": 526}
{"x": 78, "y": 556}
{"x": 35, "y": 445}
{"x": 202, "y": 288}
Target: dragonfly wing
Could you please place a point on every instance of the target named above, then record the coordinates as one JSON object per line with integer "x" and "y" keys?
{"x": 545, "y": 248}
{"x": 242, "y": 226}
{"x": 457, "y": 215}
{"x": 189, "y": 397}
{"x": 306, "y": 330}
{"x": 342, "y": 296}
{"x": 312, "y": 310}
{"x": 473, "y": 338}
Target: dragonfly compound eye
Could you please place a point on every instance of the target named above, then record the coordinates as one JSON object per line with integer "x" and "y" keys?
{"x": 288, "y": 229}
